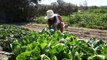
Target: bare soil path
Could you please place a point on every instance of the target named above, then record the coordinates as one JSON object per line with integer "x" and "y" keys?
{"x": 81, "y": 33}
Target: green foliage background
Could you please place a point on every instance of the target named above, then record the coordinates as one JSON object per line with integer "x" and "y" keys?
{"x": 92, "y": 18}
{"x": 89, "y": 20}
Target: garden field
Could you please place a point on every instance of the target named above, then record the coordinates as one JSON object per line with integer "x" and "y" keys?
{"x": 25, "y": 35}
{"x": 84, "y": 39}
{"x": 48, "y": 44}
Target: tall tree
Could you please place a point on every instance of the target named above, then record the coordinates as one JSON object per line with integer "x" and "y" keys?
{"x": 15, "y": 10}
{"x": 85, "y": 5}
{"x": 36, "y": 1}
{"x": 60, "y": 2}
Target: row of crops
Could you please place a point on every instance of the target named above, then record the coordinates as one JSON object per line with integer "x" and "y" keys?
{"x": 50, "y": 45}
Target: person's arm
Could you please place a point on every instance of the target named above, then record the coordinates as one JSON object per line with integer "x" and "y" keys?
{"x": 60, "y": 18}
{"x": 49, "y": 23}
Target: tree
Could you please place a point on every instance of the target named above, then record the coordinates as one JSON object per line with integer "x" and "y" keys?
{"x": 16, "y": 10}
{"x": 36, "y": 1}
{"x": 84, "y": 6}
{"x": 65, "y": 8}
{"x": 54, "y": 6}
{"x": 60, "y": 2}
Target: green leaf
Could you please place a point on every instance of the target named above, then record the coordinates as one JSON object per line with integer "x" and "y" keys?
{"x": 24, "y": 56}
{"x": 97, "y": 57}
{"x": 58, "y": 48}
{"x": 43, "y": 45}
{"x": 77, "y": 56}
{"x": 104, "y": 50}
{"x": 44, "y": 57}
{"x": 54, "y": 58}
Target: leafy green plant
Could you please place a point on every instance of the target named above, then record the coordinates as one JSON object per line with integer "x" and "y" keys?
{"x": 89, "y": 20}
{"x": 51, "y": 45}
{"x": 41, "y": 20}
{"x": 10, "y": 33}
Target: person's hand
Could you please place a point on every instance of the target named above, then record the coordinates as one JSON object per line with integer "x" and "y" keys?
{"x": 51, "y": 18}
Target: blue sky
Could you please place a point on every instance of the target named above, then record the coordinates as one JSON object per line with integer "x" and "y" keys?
{"x": 78, "y": 2}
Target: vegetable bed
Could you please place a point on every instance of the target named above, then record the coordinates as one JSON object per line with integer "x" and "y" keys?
{"x": 51, "y": 45}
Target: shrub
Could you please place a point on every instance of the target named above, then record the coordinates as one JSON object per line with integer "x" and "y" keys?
{"x": 65, "y": 19}
{"x": 89, "y": 20}
{"x": 41, "y": 20}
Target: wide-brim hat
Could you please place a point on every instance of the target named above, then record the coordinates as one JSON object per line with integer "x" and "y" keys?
{"x": 50, "y": 14}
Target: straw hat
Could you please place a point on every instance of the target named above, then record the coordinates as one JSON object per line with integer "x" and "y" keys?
{"x": 50, "y": 14}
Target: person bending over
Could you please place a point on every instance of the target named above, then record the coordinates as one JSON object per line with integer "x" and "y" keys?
{"x": 54, "y": 21}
